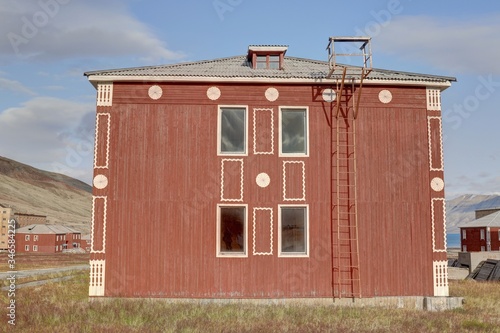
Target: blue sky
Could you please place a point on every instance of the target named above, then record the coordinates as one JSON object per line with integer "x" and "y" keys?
{"x": 47, "y": 106}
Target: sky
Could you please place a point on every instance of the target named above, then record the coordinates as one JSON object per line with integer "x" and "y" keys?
{"x": 47, "y": 106}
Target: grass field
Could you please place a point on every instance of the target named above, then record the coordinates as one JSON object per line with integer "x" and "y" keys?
{"x": 43, "y": 260}
{"x": 64, "y": 307}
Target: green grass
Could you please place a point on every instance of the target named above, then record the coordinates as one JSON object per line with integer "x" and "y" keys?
{"x": 64, "y": 307}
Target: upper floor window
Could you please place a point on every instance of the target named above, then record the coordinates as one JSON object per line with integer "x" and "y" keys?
{"x": 293, "y": 131}
{"x": 232, "y": 130}
{"x": 267, "y": 56}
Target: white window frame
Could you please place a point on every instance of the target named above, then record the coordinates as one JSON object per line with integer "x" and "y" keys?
{"x": 294, "y": 254}
{"x": 482, "y": 234}
{"x": 26, "y": 237}
{"x": 219, "y": 130}
{"x": 464, "y": 234}
{"x": 35, "y": 238}
{"x": 221, "y": 254}
{"x": 307, "y": 135}
{"x": 35, "y": 248}
{"x": 464, "y": 248}
{"x": 26, "y": 248}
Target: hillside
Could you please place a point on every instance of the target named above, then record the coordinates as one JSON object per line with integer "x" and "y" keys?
{"x": 63, "y": 199}
{"x": 462, "y": 208}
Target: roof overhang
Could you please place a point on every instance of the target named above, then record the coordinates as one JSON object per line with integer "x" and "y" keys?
{"x": 95, "y": 79}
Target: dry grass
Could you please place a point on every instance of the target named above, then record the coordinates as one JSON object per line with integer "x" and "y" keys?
{"x": 43, "y": 260}
{"x": 64, "y": 307}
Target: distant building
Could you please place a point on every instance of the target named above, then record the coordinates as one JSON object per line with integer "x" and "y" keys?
{"x": 86, "y": 242}
{"x": 482, "y": 234}
{"x": 268, "y": 176}
{"x": 24, "y": 219}
{"x": 47, "y": 238}
{"x": 5, "y": 216}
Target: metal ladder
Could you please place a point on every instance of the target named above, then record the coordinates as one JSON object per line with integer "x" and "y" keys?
{"x": 346, "y": 275}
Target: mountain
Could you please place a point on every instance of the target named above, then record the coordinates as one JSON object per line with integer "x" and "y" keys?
{"x": 462, "y": 209}
{"x": 63, "y": 199}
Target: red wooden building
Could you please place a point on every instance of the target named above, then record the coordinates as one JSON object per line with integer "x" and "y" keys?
{"x": 46, "y": 238}
{"x": 265, "y": 176}
{"x": 482, "y": 234}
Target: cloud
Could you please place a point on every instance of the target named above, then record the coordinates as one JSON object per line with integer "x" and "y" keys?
{"x": 483, "y": 183}
{"x": 15, "y": 86}
{"x": 58, "y": 29}
{"x": 50, "y": 133}
{"x": 463, "y": 46}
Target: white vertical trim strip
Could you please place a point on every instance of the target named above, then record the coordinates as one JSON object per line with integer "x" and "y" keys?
{"x": 255, "y": 110}
{"x": 92, "y": 242}
{"x": 285, "y": 197}
{"x": 433, "y": 201}
{"x": 271, "y": 227}
{"x": 429, "y": 134}
{"x": 240, "y": 160}
{"x": 98, "y": 123}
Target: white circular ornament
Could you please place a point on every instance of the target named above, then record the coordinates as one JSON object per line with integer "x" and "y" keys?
{"x": 155, "y": 92}
{"x": 272, "y": 94}
{"x": 263, "y": 179}
{"x": 100, "y": 182}
{"x": 329, "y": 95}
{"x": 437, "y": 184}
{"x": 213, "y": 93}
{"x": 385, "y": 96}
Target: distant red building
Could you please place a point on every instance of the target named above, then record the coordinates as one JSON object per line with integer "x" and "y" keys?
{"x": 46, "y": 238}
{"x": 482, "y": 234}
{"x": 267, "y": 176}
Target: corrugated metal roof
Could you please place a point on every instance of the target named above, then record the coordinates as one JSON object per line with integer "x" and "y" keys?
{"x": 240, "y": 67}
{"x": 45, "y": 229}
{"x": 492, "y": 220}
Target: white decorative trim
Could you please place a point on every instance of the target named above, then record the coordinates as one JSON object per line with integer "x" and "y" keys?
{"x": 97, "y": 275}
{"x": 303, "y": 198}
{"x": 433, "y": 99}
{"x": 263, "y": 179}
{"x": 213, "y": 93}
{"x": 433, "y": 201}
{"x": 92, "y": 243}
{"x": 105, "y": 94}
{"x": 240, "y": 160}
{"x": 255, "y": 110}
{"x": 385, "y": 96}
{"x": 440, "y": 277}
{"x": 272, "y": 94}
{"x": 155, "y": 92}
{"x": 329, "y": 95}
{"x": 271, "y": 228}
{"x": 100, "y": 182}
{"x": 429, "y": 134}
{"x": 97, "y": 139}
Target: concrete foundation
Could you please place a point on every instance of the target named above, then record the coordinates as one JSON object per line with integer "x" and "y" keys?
{"x": 425, "y": 303}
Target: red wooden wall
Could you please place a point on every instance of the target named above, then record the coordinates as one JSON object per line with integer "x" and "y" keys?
{"x": 159, "y": 207}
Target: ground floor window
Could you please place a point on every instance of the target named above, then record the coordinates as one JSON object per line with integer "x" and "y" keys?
{"x": 26, "y": 247}
{"x": 293, "y": 231}
{"x": 232, "y": 231}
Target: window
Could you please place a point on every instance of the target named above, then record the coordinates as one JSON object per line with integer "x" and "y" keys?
{"x": 232, "y": 231}
{"x": 26, "y": 248}
{"x": 35, "y": 247}
{"x": 27, "y": 237}
{"x": 499, "y": 235}
{"x": 464, "y": 248}
{"x": 482, "y": 234}
{"x": 267, "y": 61}
{"x": 35, "y": 238}
{"x": 482, "y": 248}
{"x": 232, "y": 130}
{"x": 293, "y": 231}
{"x": 464, "y": 234}
{"x": 293, "y": 131}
